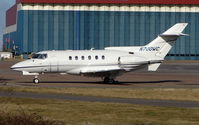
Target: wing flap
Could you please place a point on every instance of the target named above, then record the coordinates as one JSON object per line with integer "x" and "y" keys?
{"x": 98, "y": 69}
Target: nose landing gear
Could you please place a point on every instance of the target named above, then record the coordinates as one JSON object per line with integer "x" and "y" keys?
{"x": 36, "y": 80}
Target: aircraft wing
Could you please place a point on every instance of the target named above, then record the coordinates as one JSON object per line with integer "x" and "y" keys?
{"x": 94, "y": 70}
{"x": 98, "y": 69}
{"x": 101, "y": 71}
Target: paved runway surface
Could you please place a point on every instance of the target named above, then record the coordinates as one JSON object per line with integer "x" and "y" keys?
{"x": 167, "y": 103}
{"x": 169, "y": 75}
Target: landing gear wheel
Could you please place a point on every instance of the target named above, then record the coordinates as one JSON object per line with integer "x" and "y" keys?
{"x": 111, "y": 81}
{"x": 36, "y": 80}
{"x": 108, "y": 80}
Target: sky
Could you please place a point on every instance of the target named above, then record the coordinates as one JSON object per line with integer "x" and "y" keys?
{"x": 4, "y": 6}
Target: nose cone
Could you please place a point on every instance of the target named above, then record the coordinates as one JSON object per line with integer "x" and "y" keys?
{"x": 17, "y": 67}
{"x": 21, "y": 66}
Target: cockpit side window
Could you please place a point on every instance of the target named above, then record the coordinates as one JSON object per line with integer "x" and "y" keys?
{"x": 39, "y": 56}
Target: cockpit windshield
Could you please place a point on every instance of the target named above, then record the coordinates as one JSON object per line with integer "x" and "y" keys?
{"x": 39, "y": 56}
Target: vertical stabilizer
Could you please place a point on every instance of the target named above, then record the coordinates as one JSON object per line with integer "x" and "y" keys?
{"x": 164, "y": 42}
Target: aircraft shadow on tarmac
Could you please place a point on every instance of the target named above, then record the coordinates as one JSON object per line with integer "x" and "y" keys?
{"x": 100, "y": 82}
{"x": 192, "y": 84}
{"x": 3, "y": 80}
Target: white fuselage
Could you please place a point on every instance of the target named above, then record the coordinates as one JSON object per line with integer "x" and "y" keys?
{"x": 108, "y": 63}
{"x": 81, "y": 62}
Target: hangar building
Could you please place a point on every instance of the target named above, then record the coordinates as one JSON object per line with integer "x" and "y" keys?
{"x": 36, "y": 25}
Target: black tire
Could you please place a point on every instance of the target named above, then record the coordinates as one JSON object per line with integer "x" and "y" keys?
{"x": 36, "y": 81}
{"x": 111, "y": 81}
{"x": 106, "y": 80}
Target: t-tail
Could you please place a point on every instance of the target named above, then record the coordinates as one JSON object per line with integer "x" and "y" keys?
{"x": 159, "y": 48}
{"x": 156, "y": 50}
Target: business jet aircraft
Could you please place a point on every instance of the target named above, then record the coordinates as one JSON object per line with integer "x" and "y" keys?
{"x": 107, "y": 64}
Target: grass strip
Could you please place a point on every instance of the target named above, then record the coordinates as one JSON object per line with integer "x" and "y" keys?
{"x": 140, "y": 93}
{"x": 87, "y": 113}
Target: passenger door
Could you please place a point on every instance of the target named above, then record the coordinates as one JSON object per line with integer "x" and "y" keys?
{"x": 54, "y": 66}
{"x": 45, "y": 66}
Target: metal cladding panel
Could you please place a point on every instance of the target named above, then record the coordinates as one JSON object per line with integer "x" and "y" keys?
{"x": 11, "y": 16}
{"x": 98, "y": 29}
{"x": 73, "y": 26}
{"x": 114, "y": 1}
{"x": 20, "y": 31}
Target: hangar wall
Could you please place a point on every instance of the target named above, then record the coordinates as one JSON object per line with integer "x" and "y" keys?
{"x": 85, "y": 26}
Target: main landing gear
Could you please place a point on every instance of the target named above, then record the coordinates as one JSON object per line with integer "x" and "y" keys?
{"x": 36, "y": 80}
{"x": 109, "y": 80}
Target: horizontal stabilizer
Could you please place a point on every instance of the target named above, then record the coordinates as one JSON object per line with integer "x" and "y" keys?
{"x": 173, "y": 35}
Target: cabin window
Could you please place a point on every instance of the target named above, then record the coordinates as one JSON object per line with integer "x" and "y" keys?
{"x": 89, "y": 57}
{"x": 70, "y": 57}
{"x": 131, "y": 52}
{"x": 96, "y": 57}
{"x": 76, "y": 57}
{"x": 83, "y": 57}
{"x": 103, "y": 57}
